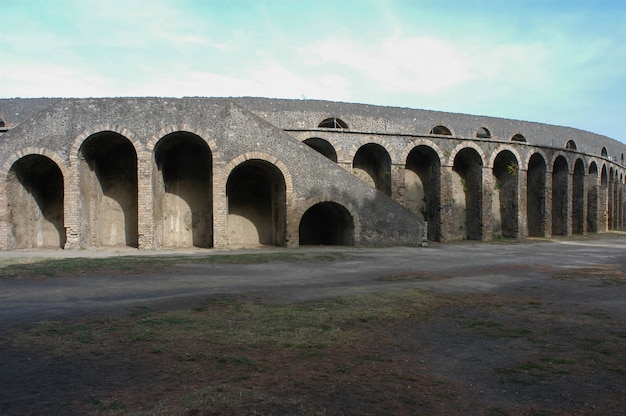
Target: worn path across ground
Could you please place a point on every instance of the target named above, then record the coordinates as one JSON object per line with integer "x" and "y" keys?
{"x": 456, "y": 268}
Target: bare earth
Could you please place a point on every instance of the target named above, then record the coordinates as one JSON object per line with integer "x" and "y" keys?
{"x": 537, "y": 328}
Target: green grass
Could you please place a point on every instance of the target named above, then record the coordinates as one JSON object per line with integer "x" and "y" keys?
{"x": 48, "y": 267}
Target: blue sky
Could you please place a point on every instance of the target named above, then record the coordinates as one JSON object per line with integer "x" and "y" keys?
{"x": 558, "y": 62}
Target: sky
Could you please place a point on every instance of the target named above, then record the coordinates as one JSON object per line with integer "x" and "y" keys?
{"x": 561, "y": 62}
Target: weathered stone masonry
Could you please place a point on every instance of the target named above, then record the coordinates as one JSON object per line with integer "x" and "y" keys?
{"x": 203, "y": 172}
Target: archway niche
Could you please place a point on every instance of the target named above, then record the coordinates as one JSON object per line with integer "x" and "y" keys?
{"x": 592, "y": 198}
{"x": 560, "y": 196}
{"x": 256, "y": 205}
{"x": 323, "y": 147}
{"x": 536, "y": 196}
{"x": 505, "y": 195}
{"x": 372, "y": 164}
{"x": 578, "y": 198}
{"x": 183, "y": 193}
{"x": 422, "y": 184}
{"x": 35, "y": 208}
{"x": 467, "y": 194}
{"x": 108, "y": 191}
{"x": 327, "y": 223}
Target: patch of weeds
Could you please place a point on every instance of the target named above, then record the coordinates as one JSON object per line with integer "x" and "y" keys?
{"x": 190, "y": 357}
{"x": 226, "y": 359}
{"x": 494, "y": 329}
{"x": 106, "y": 405}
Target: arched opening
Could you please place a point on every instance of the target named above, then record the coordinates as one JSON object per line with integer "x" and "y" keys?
{"x": 483, "y": 133}
{"x": 183, "y": 194}
{"x": 333, "y": 123}
{"x": 578, "y": 198}
{"x": 518, "y": 138}
{"x": 35, "y": 203}
{"x": 536, "y": 196}
{"x": 422, "y": 184}
{"x": 327, "y": 223}
{"x": 592, "y": 198}
{"x": 571, "y": 144}
{"x": 505, "y": 195}
{"x": 323, "y": 147}
{"x": 604, "y": 152}
{"x": 108, "y": 191}
{"x": 372, "y": 164}
{"x": 467, "y": 194}
{"x": 560, "y": 196}
{"x": 256, "y": 204}
{"x": 441, "y": 130}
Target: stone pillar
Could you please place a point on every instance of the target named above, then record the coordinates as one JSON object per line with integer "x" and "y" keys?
{"x": 522, "y": 204}
{"x": 398, "y": 189}
{"x": 145, "y": 216}
{"x": 446, "y": 201}
{"x": 71, "y": 205}
{"x": 548, "y": 208}
{"x": 486, "y": 204}
{"x": 220, "y": 206}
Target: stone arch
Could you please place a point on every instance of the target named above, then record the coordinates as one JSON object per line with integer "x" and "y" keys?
{"x": 328, "y": 222}
{"x": 519, "y": 137}
{"x": 578, "y": 197}
{"x": 108, "y": 189}
{"x": 536, "y": 194}
{"x": 323, "y": 147}
{"x": 256, "y": 192}
{"x": 441, "y": 130}
{"x": 113, "y": 128}
{"x": 422, "y": 184}
{"x": 182, "y": 188}
{"x": 483, "y": 132}
{"x": 560, "y": 195}
{"x": 466, "y": 145}
{"x": 591, "y": 183}
{"x": 505, "y": 204}
{"x": 467, "y": 192}
{"x": 175, "y": 128}
{"x": 35, "y": 186}
{"x": 504, "y": 148}
{"x": 330, "y": 137}
{"x": 333, "y": 123}
{"x": 604, "y": 152}
{"x": 571, "y": 145}
{"x": 372, "y": 164}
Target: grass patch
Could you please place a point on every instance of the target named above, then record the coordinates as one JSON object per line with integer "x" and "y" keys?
{"x": 47, "y": 267}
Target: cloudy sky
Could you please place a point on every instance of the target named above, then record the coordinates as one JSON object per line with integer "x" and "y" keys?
{"x": 554, "y": 61}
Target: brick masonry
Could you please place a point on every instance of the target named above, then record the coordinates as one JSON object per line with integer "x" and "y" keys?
{"x": 478, "y": 196}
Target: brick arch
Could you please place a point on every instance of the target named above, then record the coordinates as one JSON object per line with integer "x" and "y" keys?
{"x": 329, "y": 137}
{"x": 182, "y": 128}
{"x": 421, "y": 142}
{"x": 373, "y": 140}
{"x": 466, "y": 145}
{"x": 539, "y": 151}
{"x": 500, "y": 149}
{"x": 123, "y": 131}
{"x": 4, "y": 171}
{"x": 442, "y": 124}
{"x": 570, "y": 161}
{"x": 273, "y": 160}
{"x": 325, "y": 197}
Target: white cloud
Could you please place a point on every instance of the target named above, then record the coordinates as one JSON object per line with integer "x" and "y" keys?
{"x": 405, "y": 65}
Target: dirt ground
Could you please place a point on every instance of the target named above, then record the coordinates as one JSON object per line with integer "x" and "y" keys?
{"x": 510, "y": 329}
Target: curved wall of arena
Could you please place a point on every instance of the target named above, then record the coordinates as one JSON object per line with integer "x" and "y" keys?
{"x": 203, "y": 172}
